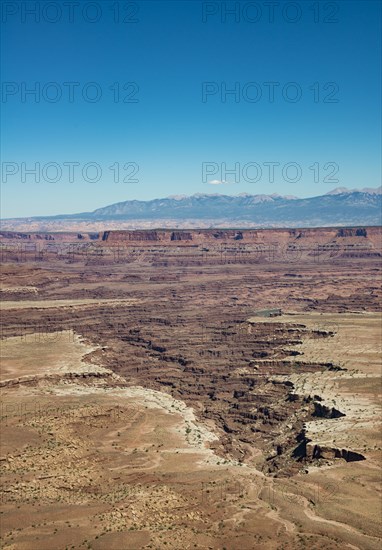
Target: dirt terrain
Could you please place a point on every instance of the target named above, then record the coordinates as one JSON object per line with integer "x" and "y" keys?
{"x": 203, "y": 389}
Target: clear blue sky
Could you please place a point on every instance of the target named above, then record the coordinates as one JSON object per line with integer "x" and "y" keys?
{"x": 170, "y": 131}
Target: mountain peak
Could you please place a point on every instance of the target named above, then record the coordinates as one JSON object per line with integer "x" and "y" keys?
{"x": 177, "y": 197}
{"x": 345, "y": 190}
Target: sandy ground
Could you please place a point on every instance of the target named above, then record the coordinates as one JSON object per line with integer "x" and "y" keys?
{"x": 69, "y": 303}
{"x": 41, "y": 355}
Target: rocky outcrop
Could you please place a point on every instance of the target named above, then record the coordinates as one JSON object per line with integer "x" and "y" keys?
{"x": 197, "y": 246}
{"x": 316, "y": 451}
{"x": 84, "y": 375}
{"x": 323, "y": 411}
{"x": 352, "y": 232}
{"x": 181, "y": 236}
{"x": 130, "y": 236}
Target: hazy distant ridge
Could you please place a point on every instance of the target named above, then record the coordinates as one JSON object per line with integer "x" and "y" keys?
{"x": 338, "y": 207}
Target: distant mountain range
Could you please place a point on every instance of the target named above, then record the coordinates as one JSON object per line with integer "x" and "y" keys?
{"x": 339, "y": 207}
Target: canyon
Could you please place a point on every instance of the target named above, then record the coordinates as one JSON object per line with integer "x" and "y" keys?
{"x": 196, "y": 388}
